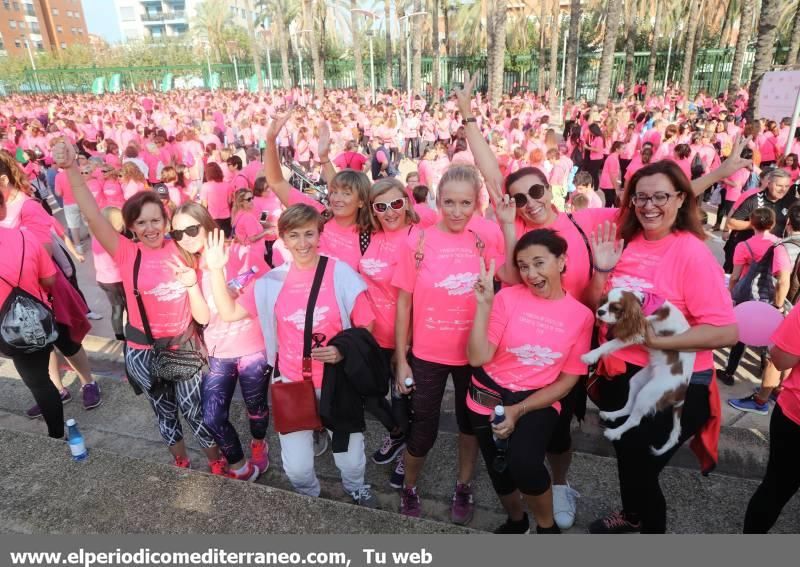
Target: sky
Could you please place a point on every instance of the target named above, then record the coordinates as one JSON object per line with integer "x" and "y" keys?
{"x": 101, "y": 19}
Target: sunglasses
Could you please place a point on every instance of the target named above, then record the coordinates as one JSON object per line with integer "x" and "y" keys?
{"x": 248, "y": 199}
{"x": 535, "y": 192}
{"x": 396, "y": 205}
{"x": 192, "y": 231}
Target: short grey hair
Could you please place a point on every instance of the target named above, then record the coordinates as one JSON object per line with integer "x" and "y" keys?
{"x": 777, "y": 173}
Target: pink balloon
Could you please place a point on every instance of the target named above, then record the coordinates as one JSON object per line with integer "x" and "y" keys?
{"x": 757, "y": 322}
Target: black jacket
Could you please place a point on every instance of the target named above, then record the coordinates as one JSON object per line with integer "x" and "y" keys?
{"x": 346, "y": 386}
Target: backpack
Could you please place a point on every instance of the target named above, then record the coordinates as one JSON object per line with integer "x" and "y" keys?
{"x": 758, "y": 284}
{"x": 27, "y": 324}
{"x": 698, "y": 169}
{"x": 577, "y": 156}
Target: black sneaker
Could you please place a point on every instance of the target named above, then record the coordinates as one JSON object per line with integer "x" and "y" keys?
{"x": 554, "y": 529}
{"x": 614, "y": 523}
{"x": 724, "y": 377}
{"x": 389, "y": 450}
{"x": 510, "y": 526}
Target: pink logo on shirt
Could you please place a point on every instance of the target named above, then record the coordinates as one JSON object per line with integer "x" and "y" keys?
{"x": 458, "y": 284}
{"x": 298, "y": 318}
{"x": 631, "y": 283}
{"x": 535, "y": 355}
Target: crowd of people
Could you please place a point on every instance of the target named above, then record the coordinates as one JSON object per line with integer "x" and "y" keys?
{"x": 454, "y": 238}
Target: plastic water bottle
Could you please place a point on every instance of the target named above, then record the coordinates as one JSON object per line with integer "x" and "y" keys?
{"x": 401, "y": 405}
{"x": 239, "y": 282}
{"x": 76, "y": 444}
{"x": 500, "y": 417}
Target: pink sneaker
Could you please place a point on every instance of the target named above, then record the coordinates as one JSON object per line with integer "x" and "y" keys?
{"x": 183, "y": 463}
{"x": 218, "y": 467}
{"x": 259, "y": 454}
{"x": 249, "y": 474}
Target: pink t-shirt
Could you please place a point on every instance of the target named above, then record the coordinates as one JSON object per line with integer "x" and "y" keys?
{"x": 611, "y": 171}
{"x": 37, "y": 264}
{"x": 443, "y": 298}
{"x": 290, "y": 313}
{"x": 787, "y": 338}
{"x": 350, "y": 160}
{"x": 28, "y": 215}
{"x": 737, "y": 182}
{"x": 377, "y": 267}
{"x": 681, "y": 269}
{"x": 165, "y": 299}
{"x": 106, "y": 269}
{"x": 760, "y": 244}
{"x": 64, "y": 188}
{"x": 427, "y": 216}
{"x": 217, "y": 194}
{"x": 246, "y": 226}
{"x": 271, "y": 204}
{"x": 112, "y": 193}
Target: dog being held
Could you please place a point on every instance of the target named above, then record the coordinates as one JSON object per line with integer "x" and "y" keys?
{"x": 665, "y": 379}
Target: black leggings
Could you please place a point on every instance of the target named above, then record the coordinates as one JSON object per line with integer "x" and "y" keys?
{"x": 782, "y": 478}
{"x": 33, "y": 370}
{"x": 638, "y": 468}
{"x": 225, "y": 226}
{"x": 411, "y": 149}
{"x": 116, "y": 297}
{"x": 735, "y": 357}
{"x": 526, "y": 470}
{"x": 380, "y": 407}
{"x": 723, "y": 210}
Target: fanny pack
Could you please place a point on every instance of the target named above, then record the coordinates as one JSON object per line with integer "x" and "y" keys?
{"x": 483, "y": 397}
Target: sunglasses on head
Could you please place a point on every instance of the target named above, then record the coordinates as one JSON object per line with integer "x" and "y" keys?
{"x": 396, "y": 205}
{"x": 248, "y": 199}
{"x": 192, "y": 231}
{"x": 536, "y": 191}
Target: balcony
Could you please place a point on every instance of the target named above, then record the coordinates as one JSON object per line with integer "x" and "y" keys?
{"x": 159, "y": 17}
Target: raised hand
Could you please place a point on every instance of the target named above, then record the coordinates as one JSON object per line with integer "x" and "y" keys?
{"x": 63, "y": 153}
{"x": 324, "y": 143}
{"x": 484, "y": 286}
{"x": 185, "y": 275}
{"x": 506, "y": 210}
{"x": 606, "y": 249}
{"x": 735, "y": 161}
{"x": 215, "y": 253}
{"x": 464, "y": 95}
{"x": 277, "y": 124}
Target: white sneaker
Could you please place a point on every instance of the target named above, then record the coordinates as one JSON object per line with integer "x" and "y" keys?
{"x": 564, "y": 498}
{"x": 92, "y": 316}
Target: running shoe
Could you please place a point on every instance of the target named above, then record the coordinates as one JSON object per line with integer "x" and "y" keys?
{"x": 91, "y": 395}
{"x": 463, "y": 504}
{"x": 36, "y": 411}
{"x": 364, "y": 497}
{"x": 218, "y": 467}
{"x": 92, "y": 316}
{"x": 398, "y": 474}
{"x": 564, "y": 497}
{"x": 389, "y": 450}
{"x": 510, "y": 526}
{"x": 259, "y": 454}
{"x": 249, "y": 474}
{"x": 183, "y": 462}
{"x": 614, "y": 523}
{"x": 409, "y": 502}
{"x": 749, "y": 404}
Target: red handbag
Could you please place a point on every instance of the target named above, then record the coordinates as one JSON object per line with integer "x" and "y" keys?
{"x": 294, "y": 404}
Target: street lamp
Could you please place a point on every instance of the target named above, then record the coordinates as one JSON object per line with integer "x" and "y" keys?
{"x": 33, "y": 62}
{"x": 232, "y": 46}
{"x": 669, "y": 55}
{"x": 208, "y": 61}
{"x": 408, "y": 52}
{"x": 296, "y": 36}
{"x": 265, "y": 37}
{"x": 370, "y": 35}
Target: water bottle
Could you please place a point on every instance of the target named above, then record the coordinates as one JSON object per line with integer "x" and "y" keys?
{"x": 401, "y": 405}
{"x": 500, "y": 417}
{"x": 76, "y": 444}
{"x": 239, "y": 282}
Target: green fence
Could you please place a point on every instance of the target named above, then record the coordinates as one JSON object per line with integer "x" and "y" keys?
{"x": 712, "y": 73}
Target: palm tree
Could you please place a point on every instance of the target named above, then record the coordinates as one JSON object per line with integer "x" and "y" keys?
{"x": 745, "y": 31}
{"x": 696, "y": 8}
{"x": 255, "y": 52}
{"x": 319, "y": 71}
{"x": 387, "y": 15}
{"x": 211, "y": 21}
{"x": 436, "y": 48}
{"x": 446, "y": 12}
{"x": 416, "y": 47}
{"x": 794, "y": 42}
{"x": 356, "y": 45}
{"x": 572, "y": 46}
{"x": 542, "y": 18}
{"x": 556, "y": 15}
{"x": 651, "y": 66}
{"x": 497, "y": 42}
{"x": 765, "y": 47}
{"x": 280, "y": 14}
{"x": 630, "y": 44}
{"x": 613, "y": 9}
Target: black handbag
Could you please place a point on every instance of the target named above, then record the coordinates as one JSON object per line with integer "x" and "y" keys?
{"x": 174, "y": 360}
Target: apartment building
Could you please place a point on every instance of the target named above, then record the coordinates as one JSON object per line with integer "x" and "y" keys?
{"x": 41, "y": 25}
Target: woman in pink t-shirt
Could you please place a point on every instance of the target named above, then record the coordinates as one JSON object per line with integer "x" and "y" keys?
{"x": 216, "y": 195}
{"x": 781, "y": 479}
{"x": 234, "y": 342}
{"x": 282, "y": 299}
{"x": 791, "y": 166}
{"x": 172, "y": 301}
{"x": 664, "y": 256}
{"x": 436, "y": 270}
{"x": 611, "y": 175}
{"x": 131, "y": 180}
{"x": 525, "y": 345}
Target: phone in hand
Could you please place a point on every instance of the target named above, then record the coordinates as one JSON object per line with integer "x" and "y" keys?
{"x": 264, "y": 217}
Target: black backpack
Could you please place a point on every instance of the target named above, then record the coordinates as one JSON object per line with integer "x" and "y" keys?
{"x": 758, "y": 284}
{"x": 697, "y": 168}
{"x": 27, "y": 324}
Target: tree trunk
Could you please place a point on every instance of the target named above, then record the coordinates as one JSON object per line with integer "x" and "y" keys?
{"x": 498, "y": 42}
{"x": 280, "y": 26}
{"x": 319, "y": 71}
{"x": 572, "y": 47}
{"x": 417, "y": 25}
{"x": 794, "y": 42}
{"x": 695, "y": 9}
{"x": 490, "y": 46}
{"x": 435, "y": 44}
{"x": 446, "y": 12}
{"x": 554, "y": 43}
{"x": 630, "y": 45}
{"x": 541, "y": 57}
{"x": 255, "y": 52}
{"x": 765, "y": 49}
{"x": 387, "y": 13}
{"x": 745, "y": 31}
{"x": 613, "y": 16}
{"x": 651, "y": 66}
{"x": 698, "y": 39}
{"x": 357, "y": 46}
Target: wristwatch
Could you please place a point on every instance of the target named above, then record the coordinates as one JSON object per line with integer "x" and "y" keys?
{"x": 468, "y": 120}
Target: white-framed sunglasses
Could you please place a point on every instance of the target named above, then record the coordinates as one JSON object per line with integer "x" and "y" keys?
{"x": 397, "y": 205}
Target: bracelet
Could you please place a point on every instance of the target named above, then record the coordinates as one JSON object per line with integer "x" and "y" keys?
{"x": 324, "y": 162}
{"x": 190, "y": 286}
{"x": 602, "y": 271}
{"x": 523, "y": 409}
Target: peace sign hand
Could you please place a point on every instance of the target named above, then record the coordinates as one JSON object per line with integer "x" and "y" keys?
{"x": 185, "y": 275}
{"x": 215, "y": 254}
{"x": 484, "y": 285}
{"x": 464, "y": 95}
{"x": 606, "y": 249}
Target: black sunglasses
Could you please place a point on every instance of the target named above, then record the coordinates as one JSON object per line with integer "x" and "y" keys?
{"x": 248, "y": 199}
{"x": 177, "y": 235}
{"x": 535, "y": 192}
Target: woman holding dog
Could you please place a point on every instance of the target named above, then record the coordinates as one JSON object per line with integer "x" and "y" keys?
{"x": 660, "y": 252}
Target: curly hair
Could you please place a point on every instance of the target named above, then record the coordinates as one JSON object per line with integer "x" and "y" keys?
{"x": 16, "y": 177}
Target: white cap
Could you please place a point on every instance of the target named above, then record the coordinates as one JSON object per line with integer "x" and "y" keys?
{"x": 409, "y": 382}
{"x": 70, "y": 422}
{"x": 499, "y": 410}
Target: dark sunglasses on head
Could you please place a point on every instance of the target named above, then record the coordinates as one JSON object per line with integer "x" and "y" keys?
{"x": 397, "y": 205}
{"x": 248, "y": 199}
{"x": 177, "y": 235}
{"x": 535, "y": 192}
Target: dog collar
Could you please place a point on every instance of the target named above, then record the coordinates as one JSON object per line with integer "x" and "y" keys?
{"x": 651, "y": 303}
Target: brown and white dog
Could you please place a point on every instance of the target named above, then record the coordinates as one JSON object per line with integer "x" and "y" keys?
{"x": 665, "y": 379}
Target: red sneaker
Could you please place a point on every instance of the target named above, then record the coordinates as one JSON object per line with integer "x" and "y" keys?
{"x": 183, "y": 463}
{"x": 259, "y": 454}
{"x": 218, "y": 467}
{"x": 249, "y": 474}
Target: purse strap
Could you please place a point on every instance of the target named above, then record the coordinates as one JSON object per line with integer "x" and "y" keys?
{"x": 142, "y": 313}
{"x": 308, "y": 329}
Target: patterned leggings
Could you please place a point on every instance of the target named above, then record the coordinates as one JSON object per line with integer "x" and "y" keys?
{"x": 178, "y": 395}
{"x": 218, "y": 387}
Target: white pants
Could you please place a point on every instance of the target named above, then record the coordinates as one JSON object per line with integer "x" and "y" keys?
{"x": 297, "y": 454}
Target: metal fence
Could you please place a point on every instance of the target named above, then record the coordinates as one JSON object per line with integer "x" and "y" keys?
{"x": 711, "y": 74}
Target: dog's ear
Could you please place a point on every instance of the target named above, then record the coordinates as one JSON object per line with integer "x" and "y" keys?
{"x": 630, "y": 322}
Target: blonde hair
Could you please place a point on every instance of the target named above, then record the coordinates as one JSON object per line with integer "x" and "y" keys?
{"x": 238, "y": 201}
{"x": 16, "y": 177}
{"x": 458, "y": 173}
{"x": 383, "y": 186}
{"x": 169, "y": 174}
{"x": 357, "y": 182}
{"x": 130, "y": 171}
